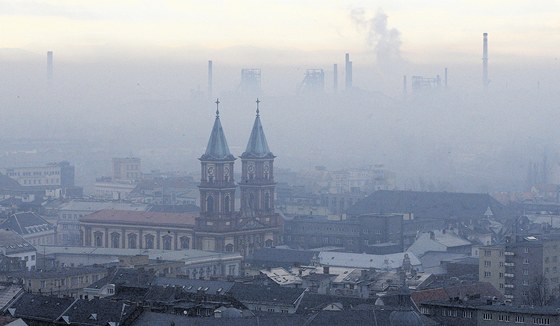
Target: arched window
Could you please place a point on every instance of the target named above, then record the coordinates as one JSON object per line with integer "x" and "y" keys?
{"x": 227, "y": 204}
{"x": 115, "y": 240}
{"x": 167, "y": 242}
{"x": 229, "y": 248}
{"x": 210, "y": 204}
{"x": 132, "y": 241}
{"x": 98, "y": 239}
{"x": 267, "y": 201}
{"x": 268, "y": 243}
{"x": 149, "y": 243}
{"x": 185, "y": 242}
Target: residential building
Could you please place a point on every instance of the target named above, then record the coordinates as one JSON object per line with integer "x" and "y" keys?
{"x": 34, "y": 228}
{"x": 193, "y": 263}
{"x": 531, "y": 268}
{"x": 371, "y": 233}
{"x": 491, "y": 266}
{"x": 13, "y": 245}
{"x": 127, "y": 169}
{"x": 68, "y": 281}
{"x": 50, "y": 175}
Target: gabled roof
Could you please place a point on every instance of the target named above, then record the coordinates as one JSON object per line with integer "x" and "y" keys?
{"x": 26, "y": 223}
{"x": 217, "y": 148}
{"x": 11, "y": 242}
{"x": 98, "y": 312}
{"x": 257, "y": 146}
{"x": 39, "y": 307}
{"x": 439, "y": 205}
{"x": 482, "y": 289}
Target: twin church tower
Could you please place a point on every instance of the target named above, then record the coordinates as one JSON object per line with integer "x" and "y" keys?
{"x": 220, "y": 226}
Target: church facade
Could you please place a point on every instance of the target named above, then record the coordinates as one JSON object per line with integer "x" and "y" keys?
{"x": 219, "y": 226}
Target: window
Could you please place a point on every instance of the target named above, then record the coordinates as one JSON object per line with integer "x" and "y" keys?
{"x": 487, "y": 253}
{"x": 32, "y": 257}
{"x": 487, "y": 316}
{"x": 467, "y": 314}
{"x": 501, "y": 285}
{"x": 519, "y": 319}
{"x": 149, "y": 239}
{"x": 526, "y": 261}
{"x": 43, "y": 283}
{"x": 525, "y": 272}
{"x": 501, "y": 264}
{"x": 132, "y": 239}
{"x": 227, "y": 204}
{"x": 210, "y": 204}
{"x": 526, "y": 250}
{"x": 184, "y": 242}
{"x": 487, "y": 274}
{"x": 115, "y": 239}
{"x": 166, "y": 242}
{"x": 501, "y": 275}
{"x": 97, "y": 236}
{"x": 487, "y": 263}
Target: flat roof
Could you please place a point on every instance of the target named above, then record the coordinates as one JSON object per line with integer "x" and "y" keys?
{"x": 169, "y": 255}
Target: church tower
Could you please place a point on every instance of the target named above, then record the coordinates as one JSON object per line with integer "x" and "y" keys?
{"x": 257, "y": 184}
{"x": 217, "y": 187}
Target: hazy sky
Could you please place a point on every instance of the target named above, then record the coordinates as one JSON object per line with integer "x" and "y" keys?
{"x": 429, "y": 30}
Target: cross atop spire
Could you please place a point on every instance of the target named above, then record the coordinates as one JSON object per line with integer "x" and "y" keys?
{"x": 258, "y": 101}
{"x": 217, "y": 107}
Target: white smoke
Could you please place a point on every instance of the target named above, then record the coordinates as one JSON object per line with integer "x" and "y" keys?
{"x": 384, "y": 41}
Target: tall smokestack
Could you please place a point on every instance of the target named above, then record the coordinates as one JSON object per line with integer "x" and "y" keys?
{"x": 404, "y": 90}
{"x": 49, "y": 66}
{"x": 445, "y": 77}
{"x": 210, "y": 79}
{"x": 335, "y": 78}
{"x": 485, "y": 80}
{"x": 348, "y": 72}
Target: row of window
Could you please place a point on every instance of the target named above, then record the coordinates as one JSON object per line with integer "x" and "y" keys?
{"x": 74, "y": 281}
{"x": 40, "y": 181}
{"x": 132, "y": 241}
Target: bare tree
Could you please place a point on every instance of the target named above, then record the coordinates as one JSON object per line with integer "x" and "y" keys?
{"x": 540, "y": 293}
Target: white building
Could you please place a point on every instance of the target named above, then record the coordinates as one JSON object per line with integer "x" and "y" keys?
{"x": 13, "y": 245}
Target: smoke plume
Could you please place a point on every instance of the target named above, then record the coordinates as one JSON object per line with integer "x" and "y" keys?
{"x": 385, "y": 42}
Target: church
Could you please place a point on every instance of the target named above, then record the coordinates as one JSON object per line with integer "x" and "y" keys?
{"x": 219, "y": 226}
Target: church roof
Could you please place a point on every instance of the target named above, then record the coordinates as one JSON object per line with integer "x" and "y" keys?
{"x": 217, "y": 148}
{"x": 257, "y": 145}
{"x": 141, "y": 218}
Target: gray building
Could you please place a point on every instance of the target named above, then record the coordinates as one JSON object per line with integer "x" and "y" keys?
{"x": 528, "y": 271}
{"x": 370, "y": 233}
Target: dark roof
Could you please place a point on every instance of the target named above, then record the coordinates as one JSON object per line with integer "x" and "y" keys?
{"x": 148, "y": 318}
{"x": 192, "y": 285}
{"x": 481, "y": 289}
{"x": 376, "y": 316}
{"x": 257, "y": 147}
{"x": 280, "y": 257}
{"x": 13, "y": 242}
{"x": 428, "y": 204}
{"x": 262, "y": 293}
{"x": 313, "y": 302}
{"x": 39, "y": 307}
{"x": 217, "y": 148}
{"x": 97, "y": 312}
{"x": 26, "y": 223}
{"x": 128, "y": 277}
{"x": 7, "y": 183}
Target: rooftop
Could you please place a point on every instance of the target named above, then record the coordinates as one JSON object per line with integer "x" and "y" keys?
{"x": 26, "y": 223}
{"x": 12, "y": 243}
{"x": 346, "y": 259}
{"x": 142, "y": 218}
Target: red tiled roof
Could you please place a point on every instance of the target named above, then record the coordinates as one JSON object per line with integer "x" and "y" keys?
{"x": 141, "y": 218}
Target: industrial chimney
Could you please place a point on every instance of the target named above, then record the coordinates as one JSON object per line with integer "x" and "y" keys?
{"x": 49, "y": 66}
{"x": 335, "y": 78}
{"x": 404, "y": 90}
{"x": 485, "y": 80}
{"x": 210, "y": 79}
{"x": 348, "y": 72}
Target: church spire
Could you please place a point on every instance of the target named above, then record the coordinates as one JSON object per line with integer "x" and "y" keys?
{"x": 217, "y": 148}
{"x": 257, "y": 145}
